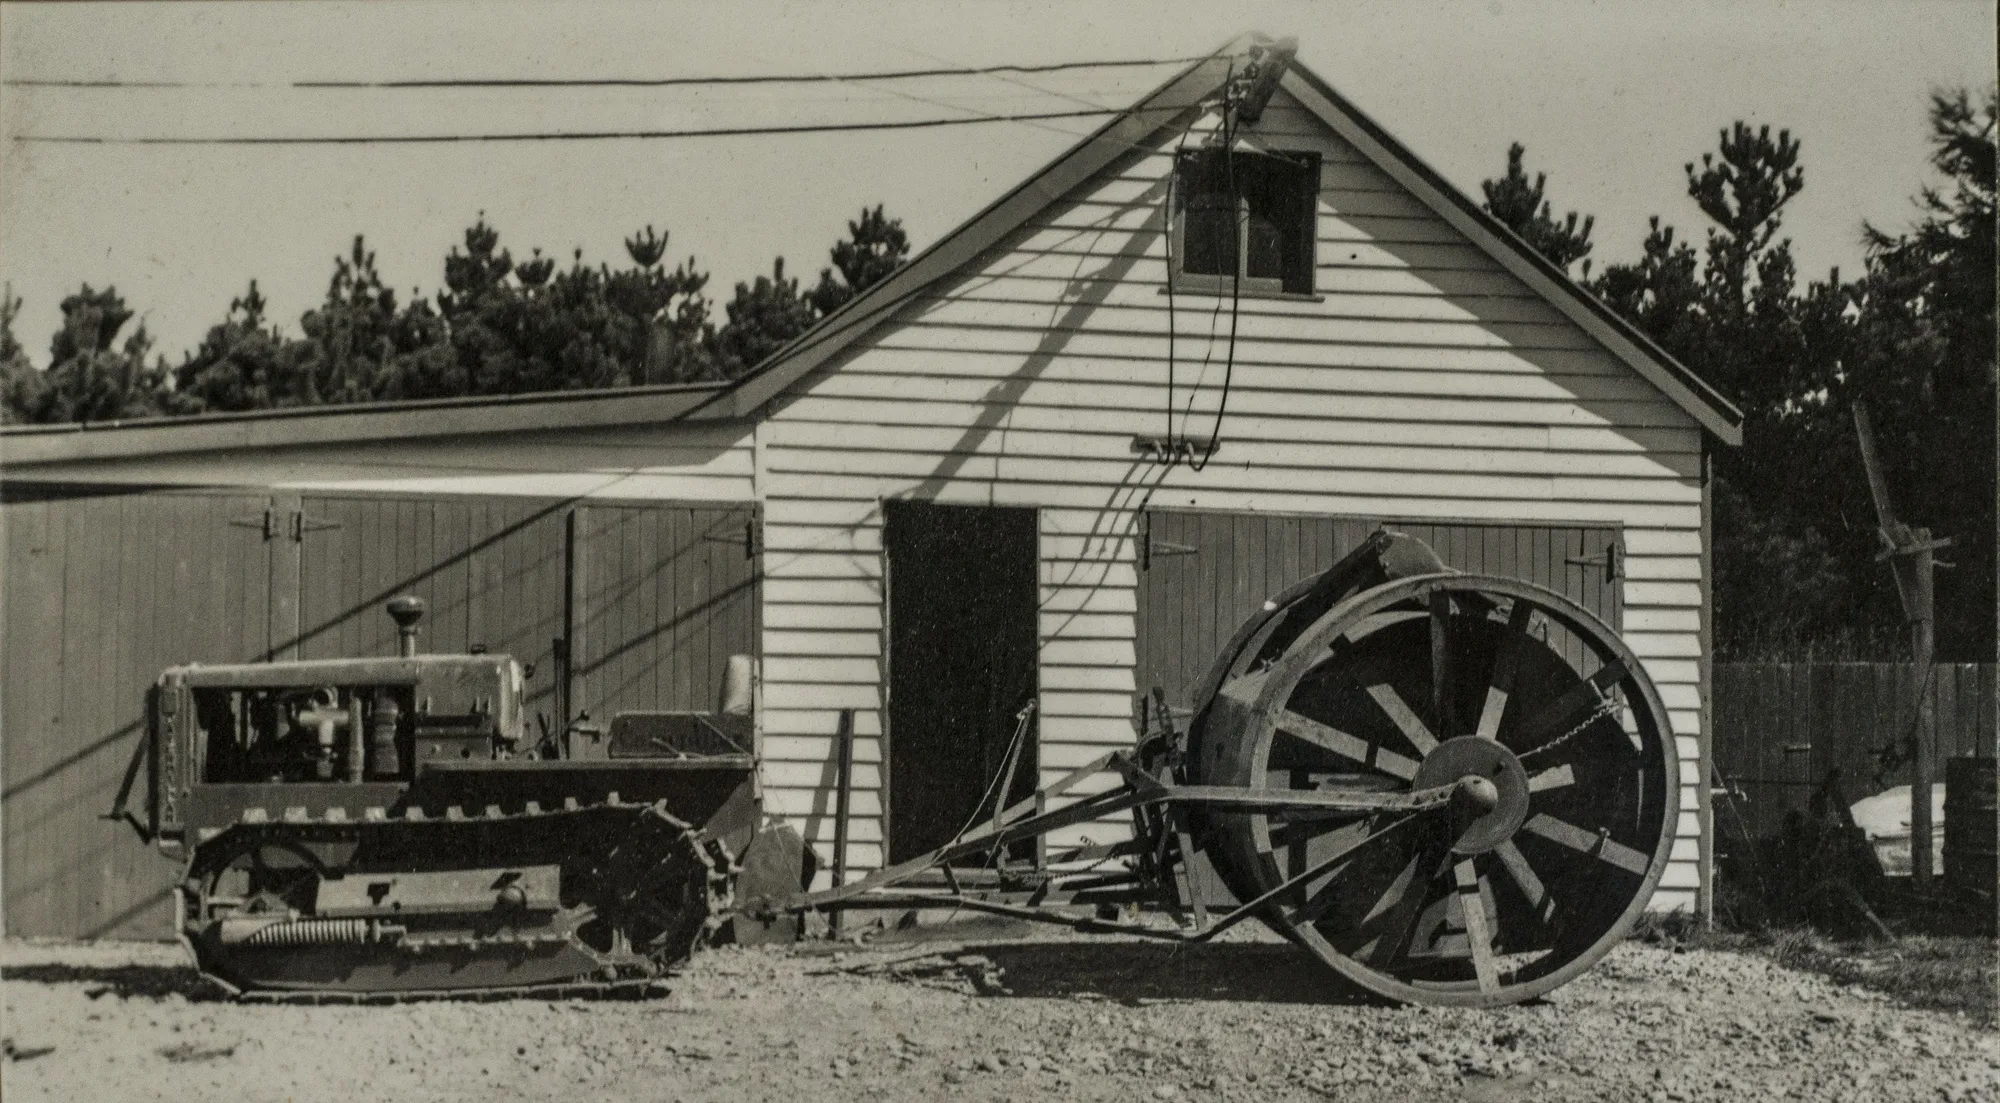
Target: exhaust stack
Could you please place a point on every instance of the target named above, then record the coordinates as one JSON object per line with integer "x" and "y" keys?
{"x": 406, "y": 611}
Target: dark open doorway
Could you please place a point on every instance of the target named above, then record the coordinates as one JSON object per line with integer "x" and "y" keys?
{"x": 962, "y": 658}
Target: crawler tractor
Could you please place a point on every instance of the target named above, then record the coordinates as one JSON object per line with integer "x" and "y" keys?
{"x": 393, "y": 827}
{"x": 1446, "y": 788}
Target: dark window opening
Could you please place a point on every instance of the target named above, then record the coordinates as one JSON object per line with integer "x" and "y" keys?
{"x": 1251, "y": 213}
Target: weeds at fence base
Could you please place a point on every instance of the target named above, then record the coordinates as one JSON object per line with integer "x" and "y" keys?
{"x": 1943, "y": 972}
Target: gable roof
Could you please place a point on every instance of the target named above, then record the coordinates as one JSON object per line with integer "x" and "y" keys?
{"x": 1194, "y": 89}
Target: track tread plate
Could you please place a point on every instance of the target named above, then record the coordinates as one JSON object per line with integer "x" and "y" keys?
{"x": 712, "y": 853}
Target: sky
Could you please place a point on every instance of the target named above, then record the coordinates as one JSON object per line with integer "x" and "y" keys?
{"x": 1610, "y": 98}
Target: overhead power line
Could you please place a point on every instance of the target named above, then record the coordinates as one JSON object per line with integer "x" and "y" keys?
{"x": 615, "y": 82}
{"x": 552, "y": 136}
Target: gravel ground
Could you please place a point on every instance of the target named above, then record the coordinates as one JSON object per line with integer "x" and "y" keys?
{"x": 989, "y": 1018}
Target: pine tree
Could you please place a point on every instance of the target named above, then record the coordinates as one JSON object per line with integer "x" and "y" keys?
{"x": 1742, "y": 192}
{"x": 20, "y": 380}
{"x": 1924, "y": 362}
{"x": 241, "y": 364}
{"x": 763, "y": 318}
{"x": 1737, "y": 314}
{"x": 91, "y": 377}
{"x": 1520, "y": 206}
{"x": 359, "y": 346}
{"x": 875, "y": 247}
{"x": 660, "y": 317}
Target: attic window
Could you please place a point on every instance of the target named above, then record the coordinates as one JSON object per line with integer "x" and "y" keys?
{"x": 1250, "y": 211}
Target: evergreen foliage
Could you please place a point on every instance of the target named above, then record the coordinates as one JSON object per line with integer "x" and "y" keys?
{"x": 1519, "y": 205}
{"x": 91, "y": 377}
{"x": 1795, "y": 573}
{"x": 763, "y": 317}
{"x": 18, "y": 377}
{"x": 497, "y": 326}
{"x": 875, "y": 247}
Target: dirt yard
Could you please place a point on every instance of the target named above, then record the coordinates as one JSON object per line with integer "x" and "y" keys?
{"x": 990, "y": 1017}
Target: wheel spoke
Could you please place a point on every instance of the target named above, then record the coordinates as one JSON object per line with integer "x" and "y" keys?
{"x": 1406, "y": 720}
{"x": 1517, "y": 867}
{"x": 1345, "y": 745}
{"x": 1472, "y": 910}
{"x": 1585, "y": 695}
{"x": 1395, "y": 913}
{"x": 1379, "y": 913}
{"x": 1441, "y": 662}
{"x": 1339, "y": 844}
{"x": 1505, "y": 660}
{"x": 1597, "y": 844}
{"x": 1555, "y": 777}
{"x": 1349, "y": 839}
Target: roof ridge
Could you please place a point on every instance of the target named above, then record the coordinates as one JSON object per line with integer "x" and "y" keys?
{"x": 750, "y": 393}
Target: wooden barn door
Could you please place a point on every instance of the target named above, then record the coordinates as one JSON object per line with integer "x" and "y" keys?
{"x": 665, "y": 594}
{"x": 490, "y": 569}
{"x": 1203, "y": 573}
{"x": 618, "y": 606}
{"x": 104, "y": 589}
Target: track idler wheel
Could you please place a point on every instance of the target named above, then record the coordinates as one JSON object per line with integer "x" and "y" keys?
{"x": 1560, "y": 827}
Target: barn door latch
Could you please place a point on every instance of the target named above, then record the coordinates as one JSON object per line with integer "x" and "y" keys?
{"x": 1608, "y": 559}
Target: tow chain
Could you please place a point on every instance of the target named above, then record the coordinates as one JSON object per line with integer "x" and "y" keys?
{"x": 1605, "y": 707}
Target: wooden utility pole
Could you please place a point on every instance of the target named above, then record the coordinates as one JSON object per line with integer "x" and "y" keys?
{"x": 1911, "y": 555}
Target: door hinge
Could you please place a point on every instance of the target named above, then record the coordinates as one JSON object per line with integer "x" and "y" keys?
{"x": 266, "y": 522}
{"x": 1149, "y": 547}
{"x": 748, "y": 539}
{"x": 302, "y": 524}
{"x": 1608, "y": 559}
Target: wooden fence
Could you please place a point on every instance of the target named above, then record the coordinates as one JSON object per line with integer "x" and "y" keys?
{"x": 1780, "y": 727}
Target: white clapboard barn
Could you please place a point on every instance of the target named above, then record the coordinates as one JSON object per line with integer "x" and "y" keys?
{"x": 945, "y": 501}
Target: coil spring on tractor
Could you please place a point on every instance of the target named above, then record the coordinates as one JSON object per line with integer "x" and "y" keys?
{"x": 324, "y": 932}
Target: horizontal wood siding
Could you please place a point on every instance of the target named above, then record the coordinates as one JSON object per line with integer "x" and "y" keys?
{"x": 1423, "y": 383}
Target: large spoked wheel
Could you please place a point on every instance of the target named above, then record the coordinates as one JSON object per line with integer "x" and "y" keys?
{"x": 1513, "y": 887}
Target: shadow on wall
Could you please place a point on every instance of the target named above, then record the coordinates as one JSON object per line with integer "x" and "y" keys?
{"x": 71, "y": 741}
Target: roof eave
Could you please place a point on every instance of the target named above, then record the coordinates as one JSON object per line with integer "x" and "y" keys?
{"x": 1716, "y": 414}
{"x": 30, "y": 446}
{"x": 1183, "y": 92}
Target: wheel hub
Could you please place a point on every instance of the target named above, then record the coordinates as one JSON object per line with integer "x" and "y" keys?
{"x": 1492, "y": 797}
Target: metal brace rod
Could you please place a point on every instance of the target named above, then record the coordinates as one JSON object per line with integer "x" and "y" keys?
{"x": 1015, "y": 911}
{"x": 1140, "y": 789}
{"x": 1250, "y": 907}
